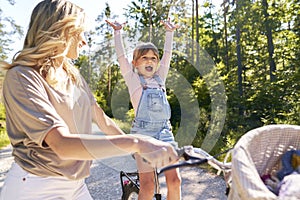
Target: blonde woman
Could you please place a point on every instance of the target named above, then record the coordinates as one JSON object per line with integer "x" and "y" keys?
{"x": 50, "y": 110}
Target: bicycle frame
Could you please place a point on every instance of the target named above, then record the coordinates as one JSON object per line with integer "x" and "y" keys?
{"x": 130, "y": 182}
{"x": 129, "y": 175}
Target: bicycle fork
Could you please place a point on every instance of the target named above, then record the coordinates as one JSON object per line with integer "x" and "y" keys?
{"x": 157, "y": 194}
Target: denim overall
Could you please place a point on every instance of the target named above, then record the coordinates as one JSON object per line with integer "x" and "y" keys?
{"x": 153, "y": 114}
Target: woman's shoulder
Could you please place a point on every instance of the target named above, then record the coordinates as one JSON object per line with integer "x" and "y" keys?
{"x": 21, "y": 69}
{"x": 23, "y": 72}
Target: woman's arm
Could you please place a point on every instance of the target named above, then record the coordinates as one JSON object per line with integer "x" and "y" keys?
{"x": 105, "y": 123}
{"x": 88, "y": 147}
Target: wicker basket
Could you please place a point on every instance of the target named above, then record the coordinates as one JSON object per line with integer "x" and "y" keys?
{"x": 259, "y": 152}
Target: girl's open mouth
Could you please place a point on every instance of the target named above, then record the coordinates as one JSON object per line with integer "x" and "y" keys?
{"x": 149, "y": 68}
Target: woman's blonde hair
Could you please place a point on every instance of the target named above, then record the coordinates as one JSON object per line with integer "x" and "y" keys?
{"x": 52, "y": 25}
{"x": 143, "y": 48}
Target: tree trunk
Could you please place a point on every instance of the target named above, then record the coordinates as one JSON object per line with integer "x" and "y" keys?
{"x": 193, "y": 29}
{"x": 197, "y": 33}
{"x": 150, "y": 20}
{"x": 226, "y": 60}
{"x": 239, "y": 59}
{"x": 270, "y": 41}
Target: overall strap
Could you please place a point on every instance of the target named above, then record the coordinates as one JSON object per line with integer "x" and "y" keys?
{"x": 158, "y": 80}
{"x": 143, "y": 82}
{"x": 156, "y": 77}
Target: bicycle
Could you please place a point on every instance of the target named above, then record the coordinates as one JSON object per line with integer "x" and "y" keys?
{"x": 191, "y": 156}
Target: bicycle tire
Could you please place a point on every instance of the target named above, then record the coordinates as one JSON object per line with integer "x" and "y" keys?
{"x": 130, "y": 192}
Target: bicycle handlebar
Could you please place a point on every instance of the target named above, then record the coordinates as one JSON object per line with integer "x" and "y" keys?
{"x": 196, "y": 156}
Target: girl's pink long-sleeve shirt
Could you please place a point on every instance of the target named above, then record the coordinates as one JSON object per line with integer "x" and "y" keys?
{"x": 132, "y": 79}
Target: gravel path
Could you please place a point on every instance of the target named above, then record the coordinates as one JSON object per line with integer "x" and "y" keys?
{"x": 104, "y": 182}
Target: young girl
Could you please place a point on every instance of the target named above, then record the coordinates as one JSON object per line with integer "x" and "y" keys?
{"x": 145, "y": 79}
{"x": 50, "y": 110}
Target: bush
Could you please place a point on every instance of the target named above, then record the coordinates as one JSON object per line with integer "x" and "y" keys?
{"x": 4, "y": 140}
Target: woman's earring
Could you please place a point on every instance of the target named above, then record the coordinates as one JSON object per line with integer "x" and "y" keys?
{"x": 135, "y": 70}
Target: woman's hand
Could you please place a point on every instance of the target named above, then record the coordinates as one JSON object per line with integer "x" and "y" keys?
{"x": 116, "y": 25}
{"x": 169, "y": 26}
{"x": 156, "y": 153}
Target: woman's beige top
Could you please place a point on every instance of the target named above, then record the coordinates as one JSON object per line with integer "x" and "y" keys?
{"x": 32, "y": 109}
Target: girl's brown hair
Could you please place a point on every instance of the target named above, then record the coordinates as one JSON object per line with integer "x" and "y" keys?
{"x": 143, "y": 48}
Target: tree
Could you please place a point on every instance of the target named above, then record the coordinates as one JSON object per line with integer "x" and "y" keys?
{"x": 239, "y": 40}
{"x": 8, "y": 29}
{"x": 269, "y": 35}
{"x": 225, "y": 5}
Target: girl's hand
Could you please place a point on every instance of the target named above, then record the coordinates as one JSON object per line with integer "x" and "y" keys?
{"x": 169, "y": 26}
{"x": 116, "y": 25}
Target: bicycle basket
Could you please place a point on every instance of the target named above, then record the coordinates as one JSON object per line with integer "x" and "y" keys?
{"x": 259, "y": 152}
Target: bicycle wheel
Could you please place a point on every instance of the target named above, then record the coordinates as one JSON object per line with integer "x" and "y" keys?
{"x": 130, "y": 192}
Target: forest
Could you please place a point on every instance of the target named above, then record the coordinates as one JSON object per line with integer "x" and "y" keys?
{"x": 235, "y": 66}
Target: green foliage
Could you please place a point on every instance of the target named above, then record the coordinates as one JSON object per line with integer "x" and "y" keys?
{"x": 125, "y": 126}
{"x": 253, "y": 98}
{"x": 261, "y": 101}
{"x": 8, "y": 30}
{"x": 4, "y": 140}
